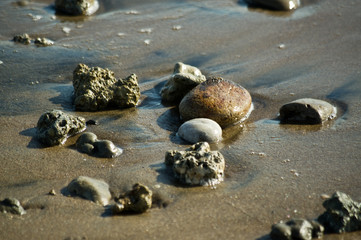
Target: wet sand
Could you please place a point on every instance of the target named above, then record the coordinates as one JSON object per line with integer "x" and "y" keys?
{"x": 320, "y": 59}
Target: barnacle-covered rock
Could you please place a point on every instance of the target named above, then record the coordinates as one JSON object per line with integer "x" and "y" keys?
{"x": 91, "y": 189}
{"x": 307, "y": 111}
{"x": 137, "y": 200}
{"x": 183, "y": 79}
{"x": 11, "y": 205}
{"x": 220, "y": 100}
{"x": 197, "y": 165}
{"x": 276, "y": 4}
{"x": 89, "y": 143}
{"x": 77, "y": 7}
{"x": 97, "y": 88}
{"x": 54, "y": 127}
{"x": 342, "y": 214}
{"x": 200, "y": 130}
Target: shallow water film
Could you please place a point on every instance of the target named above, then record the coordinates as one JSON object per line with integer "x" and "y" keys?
{"x": 272, "y": 172}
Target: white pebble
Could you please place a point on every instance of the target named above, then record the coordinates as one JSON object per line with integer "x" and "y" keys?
{"x": 147, "y": 41}
{"x": 200, "y": 130}
{"x": 66, "y": 30}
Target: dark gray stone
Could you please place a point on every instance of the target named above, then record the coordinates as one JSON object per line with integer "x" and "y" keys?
{"x": 54, "y": 127}
{"x": 11, "y": 205}
{"x": 77, "y": 7}
{"x": 342, "y": 214}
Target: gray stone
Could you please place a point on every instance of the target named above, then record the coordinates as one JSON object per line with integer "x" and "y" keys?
{"x": 137, "y": 200}
{"x": 184, "y": 79}
{"x": 276, "y": 4}
{"x": 97, "y": 89}
{"x": 220, "y": 100}
{"x": 54, "y": 127}
{"x": 307, "y": 111}
{"x": 342, "y": 214}
{"x": 11, "y": 205}
{"x": 77, "y": 7}
{"x": 300, "y": 229}
{"x": 281, "y": 231}
{"x": 197, "y": 165}
{"x": 200, "y": 130}
{"x": 88, "y": 143}
{"x": 91, "y": 189}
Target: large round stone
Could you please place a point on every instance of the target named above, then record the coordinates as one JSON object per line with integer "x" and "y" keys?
{"x": 220, "y": 100}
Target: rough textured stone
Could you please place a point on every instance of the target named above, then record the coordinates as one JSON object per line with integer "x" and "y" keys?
{"x": 137, "y": 200}
{"x": 276, "y": 4}
{"x": 342, "y": 214}
{"x": 77, "y": 7}
{"x": 43, "y": 42}
{"x": 54, "y": 127}
{"x": 11, "y": 205}
{"x": 97, "y": 88}
{"x": 200, "y": 130}
{"x": 23, "y": 38}
{"x": 299, "y": 229}
{"x": 88, "y": 143}
{"x": 197, "y": 165}
{"x": 220, "y": 100}
{"x": 307, "y": 111}
{"x": 184, "y": 79}
{"x": 91, "y": 189}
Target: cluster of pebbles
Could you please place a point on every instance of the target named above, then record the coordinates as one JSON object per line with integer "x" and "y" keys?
{"x": 342, "y": 215}
{"x": 26, "y": 39}
{"x": 206, "y": 105}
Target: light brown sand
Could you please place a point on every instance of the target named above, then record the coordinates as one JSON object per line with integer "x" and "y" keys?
{"x": 321, "y": 59}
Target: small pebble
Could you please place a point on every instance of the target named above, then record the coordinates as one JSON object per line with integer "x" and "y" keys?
{"x": 147, "y": 41}
{"x": 91, "y": 189}
{"x": 66, "y": 30}
{"x": 52, "y": 192}
{"x": 177, "y": 27}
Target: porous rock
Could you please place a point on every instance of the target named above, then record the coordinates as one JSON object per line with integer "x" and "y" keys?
{"x": 43, "y": 42}
{"x": 89, "y": 143}
{"x": 276, "y": 4}
{"x": 342, "y": 214}
{"x": 197, "y": 165}
{"x": 97, "y": 88}
{"x": 200, "y": 130}
{"x": 137, "y": 200}
{"x": 23, "y": 38}
{"x": 77, "y": 7}
{"x": 307, "y": 111}
{"x": 54, "y": 127}
{"x": 183, "y": 79}
{"x": 220, "y": 100}
{"x": 89, "y": 188}
{"x": 11, "y": 205}
{"x": 300, "y": 229}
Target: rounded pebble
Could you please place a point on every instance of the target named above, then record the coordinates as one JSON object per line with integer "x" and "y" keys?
{"x": 220, "y": 100}
{"x": 200, "y": 130}
{"x": 106, "y": 148}
{"x": 307, "y": 111}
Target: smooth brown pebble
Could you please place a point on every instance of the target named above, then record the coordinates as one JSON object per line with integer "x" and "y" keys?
{"x": 220, "y": 100}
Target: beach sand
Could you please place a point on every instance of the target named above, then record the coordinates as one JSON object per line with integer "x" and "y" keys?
{"x": 273, "y": 172}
